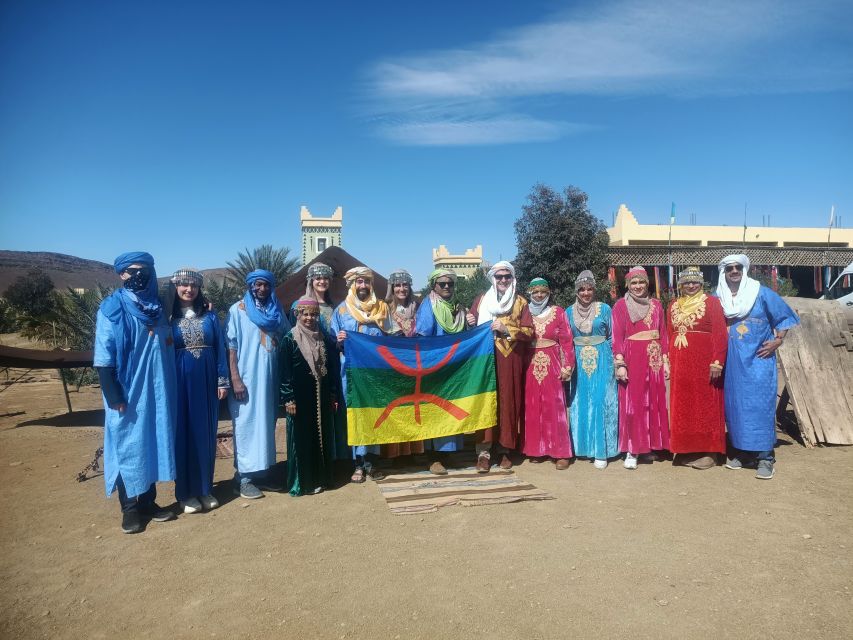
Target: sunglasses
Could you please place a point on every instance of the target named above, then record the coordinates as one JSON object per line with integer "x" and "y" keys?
{"x": 503, "y": 277}
{"x": 445, "y": 285}
{"x": 733, "y": 267}
{"x": 134, "y": 270}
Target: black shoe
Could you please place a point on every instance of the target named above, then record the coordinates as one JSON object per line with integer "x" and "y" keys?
{"x": 131, "y": 522}
{"x": 158, "y": 513}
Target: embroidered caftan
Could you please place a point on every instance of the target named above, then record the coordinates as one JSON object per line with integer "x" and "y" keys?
{"x": 546, "y": 426}
{"x": 643, "y": 418}
{"x": 257, "y": 363}
{"x": 750, "y": 381}
{"x": 201, "y": 368}
{"x": 696, "y": 341}
{"x": 311, "y": 430}
{"x": 509, "y": 369}
{"x": 139, "y": 443}
{"x": 593, "y": 403}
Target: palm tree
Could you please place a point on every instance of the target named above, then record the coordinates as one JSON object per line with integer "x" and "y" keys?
{"x": 276, "y": 261}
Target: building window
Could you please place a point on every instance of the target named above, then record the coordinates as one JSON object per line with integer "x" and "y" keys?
{"x": 321, "y": 245}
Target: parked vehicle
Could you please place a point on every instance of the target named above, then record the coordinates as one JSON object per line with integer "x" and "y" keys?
{"x": 843, "y": 294}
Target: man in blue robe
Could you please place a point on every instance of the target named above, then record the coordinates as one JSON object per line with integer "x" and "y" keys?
{"x": 758, "y": 320}
{"x": 254, "y": 328}
{"x": 441, "y": 314}
{"x": 135, "y": 361}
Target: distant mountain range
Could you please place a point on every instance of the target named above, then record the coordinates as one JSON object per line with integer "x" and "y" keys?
{"x": 67, "y": 271}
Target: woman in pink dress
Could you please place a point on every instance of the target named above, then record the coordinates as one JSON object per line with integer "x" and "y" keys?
{"x": 640, "y": 353}
{"x": 549, "y": 362}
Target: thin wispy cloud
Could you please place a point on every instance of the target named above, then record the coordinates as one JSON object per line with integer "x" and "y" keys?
{"x": 490, "y": 92}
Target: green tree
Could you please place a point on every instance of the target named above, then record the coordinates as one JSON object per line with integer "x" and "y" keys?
{"x": 30, "y": 294}
{"x": 71, "y": 321}
{"x": 469, "y": 288}
{"x": 557, "y": 237}
{"x": 222, "y": 294}
{"x": 276, "y": 261}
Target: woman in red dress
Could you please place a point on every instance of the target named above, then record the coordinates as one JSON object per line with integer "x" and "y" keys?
{"x": 698, "y": 341}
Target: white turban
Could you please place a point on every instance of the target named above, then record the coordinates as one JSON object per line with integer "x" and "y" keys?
{"x": 490, "y": 305}
{"x": 737, "y": 306}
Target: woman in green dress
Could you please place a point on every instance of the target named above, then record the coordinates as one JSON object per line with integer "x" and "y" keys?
{"x": 309, "y": 395}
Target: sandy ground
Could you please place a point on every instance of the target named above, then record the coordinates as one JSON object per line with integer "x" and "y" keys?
{"x": 664, "y": 551}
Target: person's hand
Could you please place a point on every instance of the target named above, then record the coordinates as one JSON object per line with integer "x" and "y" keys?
{"x": 342, "y": 335}
{"x": 290, "y": 407}
{"x": 470, "y": 319}
{"x": 622, "y": 373}
{"x": 121, "y": 407}
{"x": 768, "y": 348}
{"x": 565, "y": 373}
{"x": 499, "y": 328}
{"x": 222, "y": 393}
{"x": 716, "y": 373}
{"x": 666, "y": 369}
{"x": 239, "y": 389}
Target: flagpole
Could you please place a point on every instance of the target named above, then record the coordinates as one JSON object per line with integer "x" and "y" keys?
{"x": 744, "y": 226}
{"x": 831, "y": 220}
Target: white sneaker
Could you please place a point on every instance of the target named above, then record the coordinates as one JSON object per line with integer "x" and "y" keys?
{"x": 209, "y": 502}
{"x": 191, "y": 506}
{"x": 630, "y": 461}
{"x": 599, "y": 463}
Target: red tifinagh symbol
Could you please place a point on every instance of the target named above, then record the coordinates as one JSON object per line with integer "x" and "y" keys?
{"x": 417, "y": 397}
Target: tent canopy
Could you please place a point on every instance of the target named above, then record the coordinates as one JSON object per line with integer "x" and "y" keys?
{"x": 340, "y": 261}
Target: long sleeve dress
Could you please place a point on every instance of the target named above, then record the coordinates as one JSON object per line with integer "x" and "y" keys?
{"x": 593, "y": 403}
{"x": 311, "y": 430}
{"x": 546, "y": 427}
{"x": 201, "y": 368}
{"x": 643, "y": 417}
{"x": 696, "y": 341}
{"x": 509, "y": 368}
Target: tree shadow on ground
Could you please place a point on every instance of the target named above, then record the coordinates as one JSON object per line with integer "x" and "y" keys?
{"x": 88, "y": 418}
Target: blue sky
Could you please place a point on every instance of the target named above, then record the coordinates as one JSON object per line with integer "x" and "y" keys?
{"x": 194, "y": 129}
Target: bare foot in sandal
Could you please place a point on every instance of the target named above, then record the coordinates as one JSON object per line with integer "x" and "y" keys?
{"x": 358, "y": 476}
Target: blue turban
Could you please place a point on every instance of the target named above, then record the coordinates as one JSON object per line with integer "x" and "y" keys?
{"x": 260, "y": 274}
{"x": 133, "y": 257}
{"x": 269, "y": 317}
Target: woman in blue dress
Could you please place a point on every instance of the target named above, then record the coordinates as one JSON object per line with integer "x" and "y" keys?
{"x": 202, "y": 381}
{"x": 594, "y": 408}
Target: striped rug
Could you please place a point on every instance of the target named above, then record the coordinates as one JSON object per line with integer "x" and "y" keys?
{"x": 423, "y": 492}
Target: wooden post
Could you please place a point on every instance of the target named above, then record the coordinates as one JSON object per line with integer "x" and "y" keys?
{"x": 65, "y": 389}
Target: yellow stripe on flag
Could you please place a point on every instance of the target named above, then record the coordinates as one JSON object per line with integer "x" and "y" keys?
{"x": 400, "y": 425}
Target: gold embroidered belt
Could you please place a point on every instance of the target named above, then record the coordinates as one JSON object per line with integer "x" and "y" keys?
{"x": 589, "y": 341}
{"x": 654, "y": 334}
{"x": 543, "y": 343}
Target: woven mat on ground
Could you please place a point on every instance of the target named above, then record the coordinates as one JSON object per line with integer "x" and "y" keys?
{"x": 424, "y": 492}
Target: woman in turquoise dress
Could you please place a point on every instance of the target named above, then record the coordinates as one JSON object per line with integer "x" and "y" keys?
{"x": 594, "y": 409}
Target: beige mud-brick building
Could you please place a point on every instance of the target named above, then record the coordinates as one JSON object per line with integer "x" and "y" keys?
{"x": 465, "y": 265}
{"x": 318, "y": 234}
{"x": 627, "y": 231}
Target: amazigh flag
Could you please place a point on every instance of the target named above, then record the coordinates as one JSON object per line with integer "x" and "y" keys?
{"x": 405, "y": 389}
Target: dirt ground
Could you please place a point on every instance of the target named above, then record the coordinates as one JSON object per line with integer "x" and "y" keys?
{"x": 664, "y": 552}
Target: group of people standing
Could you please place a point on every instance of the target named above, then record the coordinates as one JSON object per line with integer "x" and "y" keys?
{"x": 587, "y": 381}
